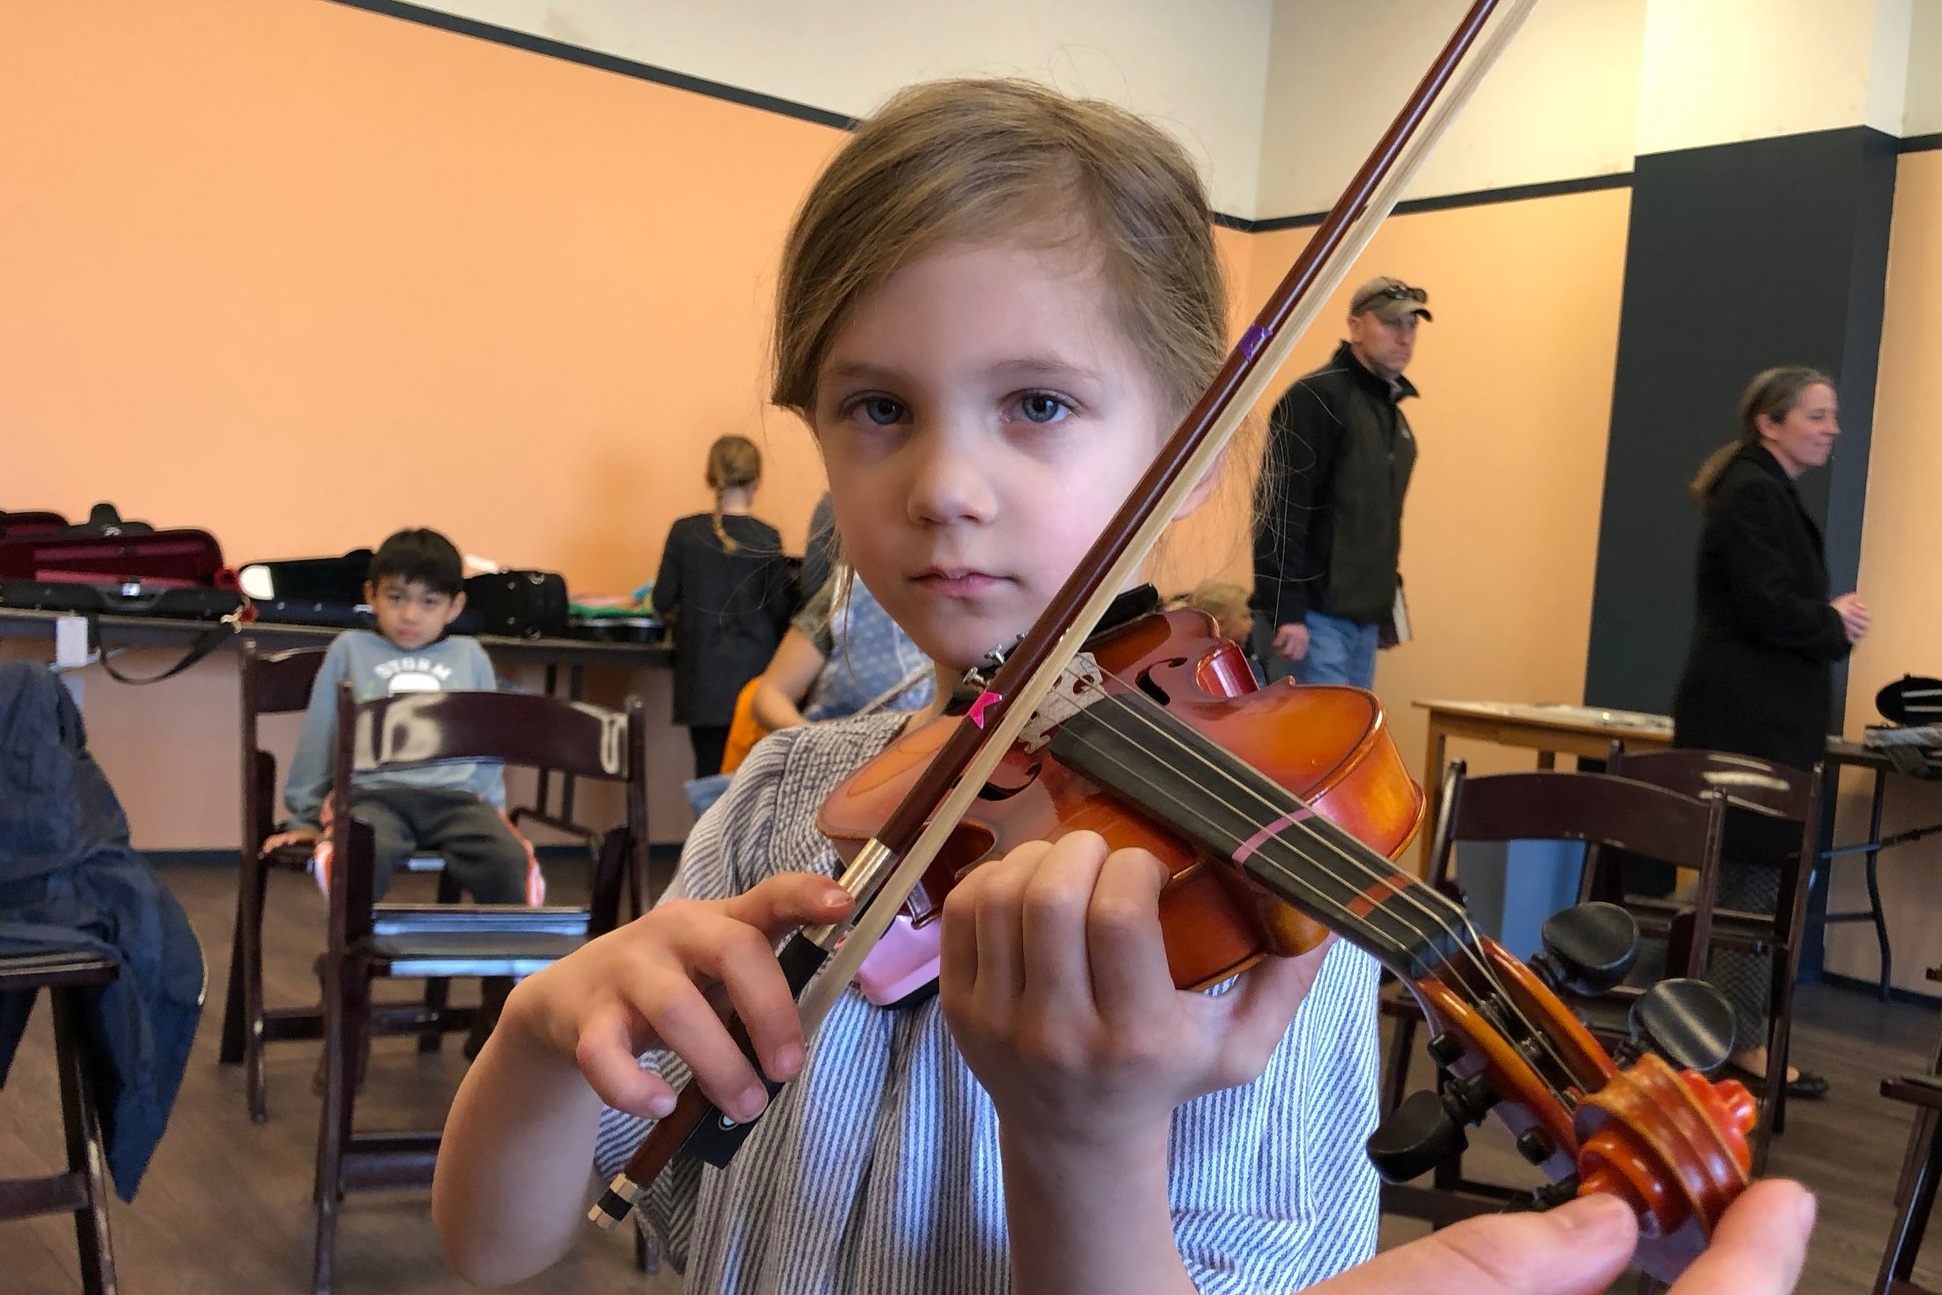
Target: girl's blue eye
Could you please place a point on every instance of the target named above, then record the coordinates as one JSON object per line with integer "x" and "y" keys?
{"x": 881, "y": 410}
{"x": 1041, "y": 407}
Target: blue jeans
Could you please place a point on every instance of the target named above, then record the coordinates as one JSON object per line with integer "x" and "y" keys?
{"x": 1339, "y": 651}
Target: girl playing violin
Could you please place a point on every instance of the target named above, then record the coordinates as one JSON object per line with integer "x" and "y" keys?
{"x": 993, "y": 308}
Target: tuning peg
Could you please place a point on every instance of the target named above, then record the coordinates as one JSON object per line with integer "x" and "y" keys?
{"x": 1417, "y": 1136}
{"x": 1427, "y": 1128}
{"x": 1551, "y": 1195}
{"x": 1588, "y": 949}
{"x": 1687, "y": 1022}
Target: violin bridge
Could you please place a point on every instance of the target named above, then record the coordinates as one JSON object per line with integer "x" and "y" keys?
{"x": 1079, "y": 685}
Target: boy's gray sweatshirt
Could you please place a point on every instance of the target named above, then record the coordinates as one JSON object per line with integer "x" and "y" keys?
{"x": 378, "y": 668}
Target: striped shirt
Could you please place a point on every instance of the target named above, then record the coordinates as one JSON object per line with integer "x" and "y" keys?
{"x": 878, "y": 1170}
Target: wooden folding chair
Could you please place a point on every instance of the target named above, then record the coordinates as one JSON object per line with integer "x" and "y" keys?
{"x": 368, "y": 942}
{"x": 70, "y": 978}
{"x": 1921, "y": 1170}
{"x": 1601, "y": 810}
{"x": 273, "y": 685}
{"x": 1763, "y": 798}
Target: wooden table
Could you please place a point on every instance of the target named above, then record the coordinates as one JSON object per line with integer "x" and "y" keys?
{"x": 1547, "y": 728}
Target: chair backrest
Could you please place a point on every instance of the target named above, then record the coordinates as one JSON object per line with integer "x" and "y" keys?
{"x": 272, "y": 684}
{"x": 1747, "y": 783}
{"x": 514, "y": 728}
{"x": 1777, "y": 793}
{"x": 1599, "y": 809}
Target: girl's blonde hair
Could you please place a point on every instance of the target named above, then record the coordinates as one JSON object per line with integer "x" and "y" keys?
{"x": 733, "y": 462}
{"x": 991, "y": 161}
{"x": 1774, "y": 394}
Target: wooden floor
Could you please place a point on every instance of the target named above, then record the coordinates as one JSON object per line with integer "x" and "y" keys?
{"x": 226, "y": 1205}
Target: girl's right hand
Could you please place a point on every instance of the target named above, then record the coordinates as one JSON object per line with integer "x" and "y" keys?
{"x": 664, "y": 981}
{"x": 1854, "y": 615}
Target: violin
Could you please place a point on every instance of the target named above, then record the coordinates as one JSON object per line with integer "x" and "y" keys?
{"x": 1277, "y": 811}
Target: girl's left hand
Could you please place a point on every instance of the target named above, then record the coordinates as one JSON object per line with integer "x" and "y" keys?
{"x": 1054, "y": 981}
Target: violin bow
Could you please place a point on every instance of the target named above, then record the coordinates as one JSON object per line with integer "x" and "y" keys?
{"x": 821, "y": 961}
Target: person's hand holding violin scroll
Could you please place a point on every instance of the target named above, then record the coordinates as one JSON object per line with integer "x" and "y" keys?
{"x": 1581, "y": 1248}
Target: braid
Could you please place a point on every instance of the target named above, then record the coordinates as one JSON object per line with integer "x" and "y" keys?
{"x": 721, "y": 532}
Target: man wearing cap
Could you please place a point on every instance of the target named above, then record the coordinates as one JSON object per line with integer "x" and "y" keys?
{"x": 1329, "y": 506}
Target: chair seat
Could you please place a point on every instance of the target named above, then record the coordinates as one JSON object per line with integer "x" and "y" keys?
{"x": 296, "y": 858}
{"x": 46, "y": 968}
{"x": 1916, "y": 1090}
{"x": 496, "y": 919}
{"x": 467, "y": 953}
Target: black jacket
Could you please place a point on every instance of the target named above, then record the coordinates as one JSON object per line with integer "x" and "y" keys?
{"x": 1759, "y": 675}
{"x": 68, "y": 880}
{"x": 728, "y": 610}
{"x": 1329, "y": 506}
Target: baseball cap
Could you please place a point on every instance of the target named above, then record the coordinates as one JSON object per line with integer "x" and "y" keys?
{"x": 1390, "y": 298}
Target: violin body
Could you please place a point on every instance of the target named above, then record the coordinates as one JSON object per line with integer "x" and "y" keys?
{"x": 1327, "y": 745}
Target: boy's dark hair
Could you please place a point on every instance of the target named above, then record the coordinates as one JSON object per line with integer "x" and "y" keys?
{"x": 420, "y": 557}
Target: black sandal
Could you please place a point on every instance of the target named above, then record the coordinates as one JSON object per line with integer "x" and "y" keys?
{"x": 1808, "y": 1085}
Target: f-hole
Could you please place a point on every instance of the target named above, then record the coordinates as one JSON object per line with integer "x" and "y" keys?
{"x": 1151, "y": 686}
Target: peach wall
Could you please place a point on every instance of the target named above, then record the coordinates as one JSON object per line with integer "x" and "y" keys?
{"x": 1898, "y": 580}
{"x": 1500, "y": 532}
{"x": 303, "y": 274}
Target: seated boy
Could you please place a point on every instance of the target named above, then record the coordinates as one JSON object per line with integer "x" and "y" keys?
{"x": 416, "y": 589}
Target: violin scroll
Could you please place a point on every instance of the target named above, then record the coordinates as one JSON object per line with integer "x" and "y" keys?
{"x": 1672, "y": 1144}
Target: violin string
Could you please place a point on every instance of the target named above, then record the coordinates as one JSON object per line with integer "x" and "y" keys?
{"x": 1411, "y": 894}
{"x": 1506, "y": 1003}
{"x": 1414, "y": 896}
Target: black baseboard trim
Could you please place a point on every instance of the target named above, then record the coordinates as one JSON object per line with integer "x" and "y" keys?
{"x": 189, "y": 858}
{"x": 1920, "y": 143}
{"x": 1872, "y": 988}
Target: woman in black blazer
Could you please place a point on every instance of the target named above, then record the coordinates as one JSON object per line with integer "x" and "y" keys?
{"x": 1759, "y": 674}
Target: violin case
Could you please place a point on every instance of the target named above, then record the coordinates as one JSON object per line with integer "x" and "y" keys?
{"x": 310, "y": 591}
{"x": 171, "y": 574}
{"x": 605, "y": 626}
{"x": 30, "y": 523}
{"x": 167, "y": 575}
{"x": 1912, "y": 738}
{"x": 515, "y": 604}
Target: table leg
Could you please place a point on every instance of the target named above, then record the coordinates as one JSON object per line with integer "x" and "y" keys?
{"x": 1439, "y": 742}
{"x": 1813, "y": 953}
{"x": 1874, "y": 883}
{"x": 1547, "y": 760}
{"x": 542, "y": 794}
